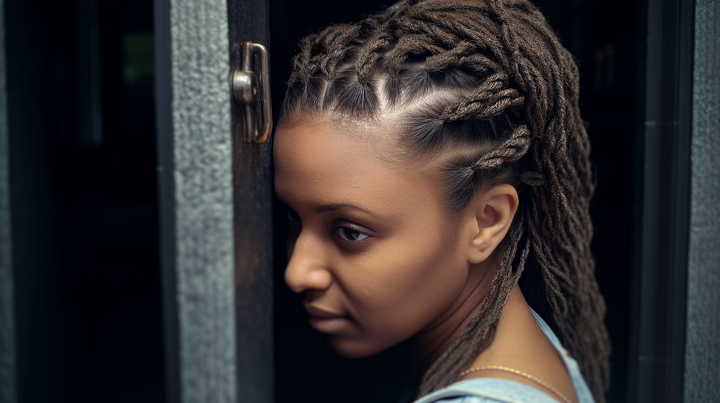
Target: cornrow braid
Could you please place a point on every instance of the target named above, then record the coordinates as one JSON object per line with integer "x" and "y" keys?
{"x": 511, "y": 150}
{"x": 484, "y": 102}
{"x": 338, "y": 39}
{"x": 368, "y": 56}
{"x": 302, "y": 68}
{"x": 489, "y": 80}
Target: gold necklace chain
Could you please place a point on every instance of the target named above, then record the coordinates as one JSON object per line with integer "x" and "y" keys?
{"x": 516, "y": 372}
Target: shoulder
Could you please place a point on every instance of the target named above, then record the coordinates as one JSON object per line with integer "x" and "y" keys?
{"x": 487, "y": 390}
{"x": 469, "y": 399}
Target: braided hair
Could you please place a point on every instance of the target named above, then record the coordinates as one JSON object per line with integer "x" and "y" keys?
{"x": 487, "y": 83}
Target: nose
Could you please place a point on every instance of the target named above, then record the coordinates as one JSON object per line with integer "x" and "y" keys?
{"x": 307, "y": 268}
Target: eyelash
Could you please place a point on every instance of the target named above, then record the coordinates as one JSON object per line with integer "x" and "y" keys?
{"x": 340, "y": 231}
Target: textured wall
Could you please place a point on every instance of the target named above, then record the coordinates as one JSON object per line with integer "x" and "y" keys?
{"x": 203, "y": 199}
{"x": 702, "y": 369}
{"x": 7, "y": 320}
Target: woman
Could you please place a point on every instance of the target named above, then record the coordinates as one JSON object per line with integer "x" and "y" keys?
{"x": 436, "y": 171}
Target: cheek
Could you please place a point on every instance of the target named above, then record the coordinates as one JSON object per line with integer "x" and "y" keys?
{"x": 407, "y": 286}
{"x": 397, "y": 299}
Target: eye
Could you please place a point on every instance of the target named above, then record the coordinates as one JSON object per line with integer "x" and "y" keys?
{"x": 292, "y": 216}
{"x": 350, "y": 234}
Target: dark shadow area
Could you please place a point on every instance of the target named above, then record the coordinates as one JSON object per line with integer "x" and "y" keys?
{"x": 604, "y": 38}
{"x": 82, "y": 90}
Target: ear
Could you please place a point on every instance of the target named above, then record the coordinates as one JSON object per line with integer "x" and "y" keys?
{"x": 490, "y": 215}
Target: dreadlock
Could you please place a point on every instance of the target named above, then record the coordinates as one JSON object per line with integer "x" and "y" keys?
{"x": 489, "y": 79}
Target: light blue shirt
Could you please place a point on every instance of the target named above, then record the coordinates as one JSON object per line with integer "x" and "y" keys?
{"x": 495, "y": 390}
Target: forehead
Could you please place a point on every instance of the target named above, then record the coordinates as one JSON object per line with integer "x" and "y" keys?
{"x": 320, "y": 162}
{"x": 312, "y": 143}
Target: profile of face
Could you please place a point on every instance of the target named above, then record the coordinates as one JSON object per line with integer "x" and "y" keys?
{"x": 401, "y": 143}
{"x": 371, "y": 243}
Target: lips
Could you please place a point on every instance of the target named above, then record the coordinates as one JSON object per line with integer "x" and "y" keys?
{"x": 325, "y": 321}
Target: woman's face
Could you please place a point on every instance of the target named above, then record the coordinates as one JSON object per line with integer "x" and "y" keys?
{"x": 371, "y": 244}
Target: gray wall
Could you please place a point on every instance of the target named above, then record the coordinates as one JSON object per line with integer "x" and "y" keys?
{"x": 702, "y": 352}
{"x": 203, "y": 200}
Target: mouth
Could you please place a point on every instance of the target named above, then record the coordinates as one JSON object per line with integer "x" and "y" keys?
{"x": 325, "y": 321}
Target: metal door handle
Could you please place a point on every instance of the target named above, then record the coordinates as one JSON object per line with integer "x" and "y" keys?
{"x": 245, "y": 86}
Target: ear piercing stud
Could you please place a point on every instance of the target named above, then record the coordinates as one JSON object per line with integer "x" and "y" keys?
{"x": 482, "y": 250}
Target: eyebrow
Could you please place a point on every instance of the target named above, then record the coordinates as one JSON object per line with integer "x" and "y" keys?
{"x": 324, "y": 208}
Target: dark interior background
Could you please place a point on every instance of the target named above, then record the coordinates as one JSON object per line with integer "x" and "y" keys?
{"x": 606, "y": 38}
{"x": 80, "y": 90}
{"x": 91, "y": 324}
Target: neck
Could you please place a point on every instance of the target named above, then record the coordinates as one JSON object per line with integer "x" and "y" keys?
{"x": 430, "y": 343}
